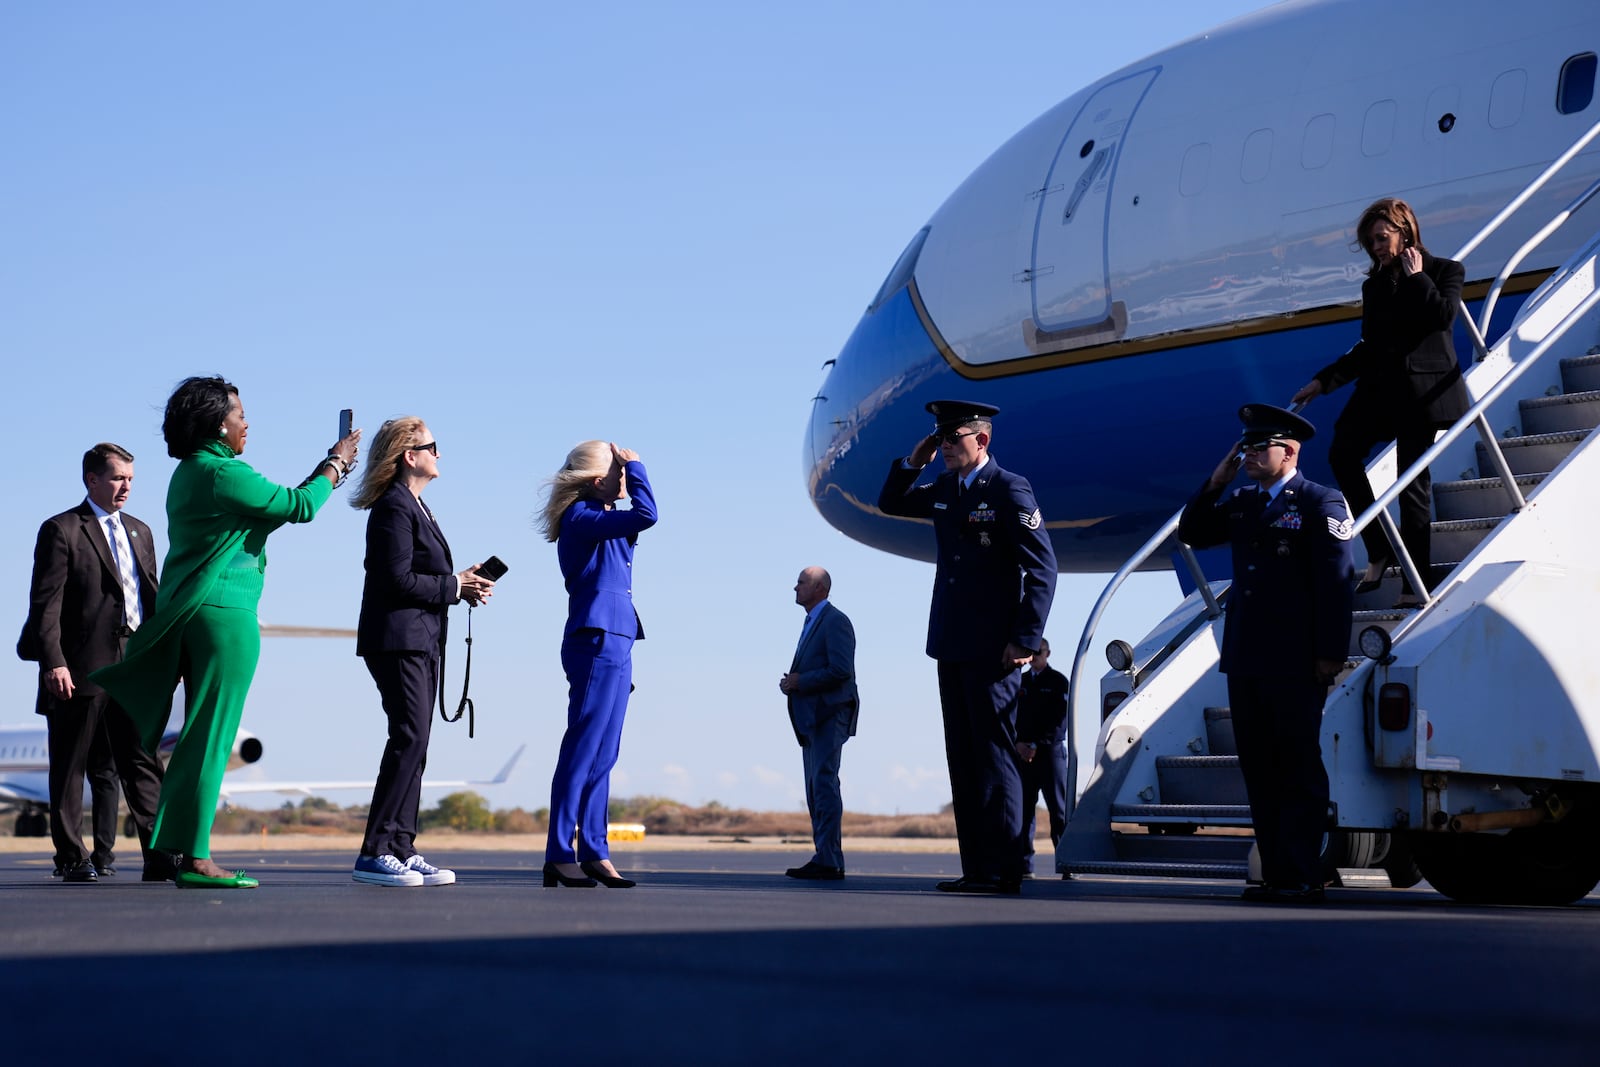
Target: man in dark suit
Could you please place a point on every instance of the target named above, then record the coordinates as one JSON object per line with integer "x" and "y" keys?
{"x": 992, "y": 587}
{"x": 1042, "y": 745}
{"x": 1286, "y": 637}
{"x": 94, "y": 580}
{"x": 823, "y": 706}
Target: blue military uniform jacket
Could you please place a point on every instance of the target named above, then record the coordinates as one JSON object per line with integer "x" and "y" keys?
{"x": 1292, "y": 591}
{"x": 996, "y": 569}
{"x": 1042, "y": 707}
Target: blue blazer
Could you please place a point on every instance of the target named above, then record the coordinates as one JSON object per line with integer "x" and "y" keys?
{"x": 595, "y": 549}
{"x": 996, "y": 568}
{"x": 826, "y": 664}
{"x": 410, "y": 581}
{"x": 1291, "y": 598}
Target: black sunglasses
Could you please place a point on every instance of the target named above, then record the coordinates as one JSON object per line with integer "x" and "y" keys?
{"x": 1261, "y": 446}
{"x": 431, "y": 446}
{"x": 954, "y": 436}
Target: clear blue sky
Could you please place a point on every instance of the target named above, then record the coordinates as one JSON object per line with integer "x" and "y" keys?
{"x": 530, "y": 224}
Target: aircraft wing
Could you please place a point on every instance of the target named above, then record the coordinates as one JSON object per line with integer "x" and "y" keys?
{"x": 307, "y": 788}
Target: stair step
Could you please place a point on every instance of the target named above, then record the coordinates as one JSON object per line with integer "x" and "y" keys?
{"x": 1534, "y": 454}
{"x": 1198, "y": 814}
{"x": 1160, "y": 870}
{"x": 1156, "y": 847}
{"x": 1219, "y": 732}
{"x": 1200, "y": 780}
{"x": 1477, "y": 498}
{"x": 1580, "y": 373}
{"x": 1456, "y": 539}
{"x": 1556, "y": 414}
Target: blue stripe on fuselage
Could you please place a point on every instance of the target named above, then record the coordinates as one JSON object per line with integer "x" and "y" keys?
{"x": 1113, "y": 448}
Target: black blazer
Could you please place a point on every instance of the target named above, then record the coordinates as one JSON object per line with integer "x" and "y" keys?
{"x": 410, "y": 580}
{"x": 1405, "y": 365}
{"x": 75, "y": 600}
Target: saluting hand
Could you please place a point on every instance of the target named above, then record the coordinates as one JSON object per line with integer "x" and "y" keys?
{"x": 926, "y": 449}
{"x": 623, "y": 456}
{"x": 1227, "y": 469}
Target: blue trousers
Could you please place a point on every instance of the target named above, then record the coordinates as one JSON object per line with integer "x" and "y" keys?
{"x": 821, "y": 753}
{"x": 1046, "y": 775}
{"x": 599, "y": 668}
{"x": 1277, "y": 726}
{"x": 979, "y": 701}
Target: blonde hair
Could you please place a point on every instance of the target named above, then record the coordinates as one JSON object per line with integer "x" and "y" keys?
{"x": 393, "y": 439}
{"x": 585, "y": 463}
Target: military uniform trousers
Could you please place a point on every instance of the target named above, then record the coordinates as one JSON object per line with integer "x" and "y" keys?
{"x": 1045, "y": 775}
{"x": 979, "y": 702}
{"x": 1277, "y": 725}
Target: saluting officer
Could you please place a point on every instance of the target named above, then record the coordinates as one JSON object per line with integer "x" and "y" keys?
{"x": 1286, "y": 637}
{"x": 992, "y": 587}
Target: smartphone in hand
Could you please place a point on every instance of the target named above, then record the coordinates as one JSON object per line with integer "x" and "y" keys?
{"x": 493, "y": 568}
{"x": 347, "y": 420}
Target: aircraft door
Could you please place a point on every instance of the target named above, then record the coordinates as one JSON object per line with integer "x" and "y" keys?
{"x": 1069, "y": 272}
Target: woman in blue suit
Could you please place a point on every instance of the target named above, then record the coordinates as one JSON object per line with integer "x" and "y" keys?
{"x": 409, "y": 588}
{"x": 594, "y": 545}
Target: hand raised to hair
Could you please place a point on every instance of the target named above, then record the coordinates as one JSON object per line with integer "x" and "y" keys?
{"x": 1410, "y": 261}
{"x": 623, "y": 456}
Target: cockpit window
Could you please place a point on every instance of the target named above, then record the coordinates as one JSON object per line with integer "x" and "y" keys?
{"x": 901, "y": 272}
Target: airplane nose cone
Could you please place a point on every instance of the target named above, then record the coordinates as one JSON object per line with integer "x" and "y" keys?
{"x": 857, "y": 424}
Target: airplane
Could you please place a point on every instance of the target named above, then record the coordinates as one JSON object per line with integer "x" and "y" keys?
{"x": 1177, "y": 239}
{"x": 25, "y": 779}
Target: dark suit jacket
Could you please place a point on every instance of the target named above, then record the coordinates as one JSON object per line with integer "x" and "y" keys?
{"x": 1404, "y": 366}
{"x": 826, "y": 664}
{"x": 1042, "y": 707}
{"x": 410, "y": 581}
{"x": 1291, "y": 597}
{"x": 996, "y": 571}
{"x": 75, "y": 602}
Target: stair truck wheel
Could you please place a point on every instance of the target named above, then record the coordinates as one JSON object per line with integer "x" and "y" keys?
{"x": 1550, "y": 864}
{"x": 1347, "y": 848}
{"x": 1399, "y": 862}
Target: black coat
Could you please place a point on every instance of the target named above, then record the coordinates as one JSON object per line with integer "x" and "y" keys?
{"x": 75, "y": 611}
{"x": 410, "y": 582}
{"x": 1405, "y": 365}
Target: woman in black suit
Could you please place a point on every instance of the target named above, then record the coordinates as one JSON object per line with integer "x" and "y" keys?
{"x": 409, "y": 587}
{"x": 1408, "y": 382}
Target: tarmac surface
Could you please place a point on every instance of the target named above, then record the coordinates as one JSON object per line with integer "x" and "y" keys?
{"x": 717, "y": 958}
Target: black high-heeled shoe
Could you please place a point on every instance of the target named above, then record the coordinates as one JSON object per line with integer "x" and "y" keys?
{"x": 1367, "y": 585}
{"x": 553, "y": 877}
{"x": 598, "y": 873}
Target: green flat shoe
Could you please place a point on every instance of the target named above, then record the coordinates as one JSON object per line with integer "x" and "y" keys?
{"x": 237, "y": 880}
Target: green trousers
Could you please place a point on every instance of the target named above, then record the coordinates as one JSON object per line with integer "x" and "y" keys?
{"x": 220, "y": 648}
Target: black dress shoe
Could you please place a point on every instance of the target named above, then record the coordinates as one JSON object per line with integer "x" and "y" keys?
{"x": 982, "y": 886}
{"x": 82, "y": 871}
{"x": 1257, "y": 894}
{"x": 161, "y": 866}
{"x": 816, "y": 872}
{"x": 1367, "y": 585}
{"x": 105, "y": 870}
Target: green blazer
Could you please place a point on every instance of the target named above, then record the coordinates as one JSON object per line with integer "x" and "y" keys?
{"x": 219, "y": 513}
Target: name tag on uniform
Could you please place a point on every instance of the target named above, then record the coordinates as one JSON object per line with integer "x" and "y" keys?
{"x": 939, "y": 507}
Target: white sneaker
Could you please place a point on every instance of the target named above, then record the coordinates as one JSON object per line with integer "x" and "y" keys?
{"x": 385, "y": 870}
{"x": 431, "y": 875}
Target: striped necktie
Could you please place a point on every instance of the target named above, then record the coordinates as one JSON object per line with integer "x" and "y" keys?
{"x": 122, "y": 552}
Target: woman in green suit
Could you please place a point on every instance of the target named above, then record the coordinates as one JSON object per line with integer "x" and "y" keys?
{"x": 204, "y": 630}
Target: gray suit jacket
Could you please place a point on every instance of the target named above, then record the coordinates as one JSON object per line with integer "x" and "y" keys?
{"x": 826, "y": 664}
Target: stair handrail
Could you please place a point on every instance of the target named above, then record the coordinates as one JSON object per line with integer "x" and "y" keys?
{"x": 1379, "y": 507}
{"x": 1558, "y": 221}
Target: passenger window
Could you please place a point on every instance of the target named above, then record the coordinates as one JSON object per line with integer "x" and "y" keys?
{"x": 1377, "y": 129}
{"x": 1317, "y": 148}
{"x": 1257, "y": 157}
{"x": 1576, "y": 88}
{"x": 1505, "y": 98}
{"x": 1195, "y": 170}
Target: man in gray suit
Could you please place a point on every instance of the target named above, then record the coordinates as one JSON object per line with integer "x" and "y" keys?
{"x": 821, "y": 687}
